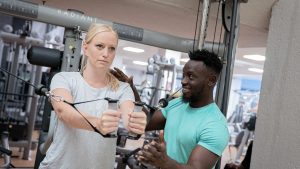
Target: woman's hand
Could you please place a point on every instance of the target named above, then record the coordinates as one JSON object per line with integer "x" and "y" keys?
{"x": 109, "y": 121}
{"x": 137, "y": 122}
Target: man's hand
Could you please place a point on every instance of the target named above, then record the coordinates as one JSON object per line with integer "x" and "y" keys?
{"x": 154, "y": 154}
{"x": 124, "y": 78}
{"x": 109, "y": 121}
{"x": 121, "y": 76}
{"x": 137, "y": 122}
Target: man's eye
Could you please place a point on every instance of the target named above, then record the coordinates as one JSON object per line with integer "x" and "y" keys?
{"x": 191, "y": 76}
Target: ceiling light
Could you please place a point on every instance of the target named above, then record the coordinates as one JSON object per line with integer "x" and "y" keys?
{"x": 140, "y": 63}
{"x": 132, "y": 49}
{"x": 255, "y": 57}
{"x": 184, "y": 59}
{"x": 256, "y": 70}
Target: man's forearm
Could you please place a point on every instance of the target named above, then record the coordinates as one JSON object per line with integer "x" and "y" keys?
{"x": 172, "y": 164}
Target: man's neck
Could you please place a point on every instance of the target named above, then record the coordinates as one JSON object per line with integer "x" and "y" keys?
{"x": 201, "y": 102}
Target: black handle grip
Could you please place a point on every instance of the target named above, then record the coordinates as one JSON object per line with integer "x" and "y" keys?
{"x": 5, "y": 151}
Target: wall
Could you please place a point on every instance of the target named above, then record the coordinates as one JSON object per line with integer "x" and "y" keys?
{"x": 277, "y": 138}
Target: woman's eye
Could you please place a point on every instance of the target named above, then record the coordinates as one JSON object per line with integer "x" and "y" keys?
{"x": 99, "y": 46}
{"x": 112, "y": 49}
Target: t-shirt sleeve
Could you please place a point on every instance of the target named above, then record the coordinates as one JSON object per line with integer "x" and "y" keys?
{"x": 214, "y": 137}
{"x": 170, "y": 106}
{"x": 126, "y": 93}
{"x": 59, "y": 80}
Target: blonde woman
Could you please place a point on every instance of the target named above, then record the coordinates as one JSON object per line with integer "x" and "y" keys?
{"x": 75, "y": 144}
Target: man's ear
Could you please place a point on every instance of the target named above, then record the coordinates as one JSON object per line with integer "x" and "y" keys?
{"x": 212, "y": 80}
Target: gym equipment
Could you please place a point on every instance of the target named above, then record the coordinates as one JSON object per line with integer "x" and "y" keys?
{"x": 75, "y": 22}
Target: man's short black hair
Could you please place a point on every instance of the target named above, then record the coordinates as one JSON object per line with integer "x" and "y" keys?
{"x": 210, "y": 59}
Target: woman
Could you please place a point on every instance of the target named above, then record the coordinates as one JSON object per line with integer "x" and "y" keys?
{"x": 75, "y": 144}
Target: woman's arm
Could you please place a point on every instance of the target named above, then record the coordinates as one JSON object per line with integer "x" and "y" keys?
{"x": 133, "y": 121}
{"x": 106, "y": 123}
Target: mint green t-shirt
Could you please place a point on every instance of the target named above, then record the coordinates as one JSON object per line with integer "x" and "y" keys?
{"x": 187, "y": 127}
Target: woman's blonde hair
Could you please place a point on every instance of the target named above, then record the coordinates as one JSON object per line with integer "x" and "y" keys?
{"x": 93, "y": 30}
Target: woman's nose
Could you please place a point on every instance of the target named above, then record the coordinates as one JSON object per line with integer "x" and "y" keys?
{"x": 105, "y": 52}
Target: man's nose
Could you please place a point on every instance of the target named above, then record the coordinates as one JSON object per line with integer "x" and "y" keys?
{"x": 183, "y": 81}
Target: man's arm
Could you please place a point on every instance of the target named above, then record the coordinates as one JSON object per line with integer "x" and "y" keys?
{"x": 157, "y": 121}
{"x": 155, "y": 154}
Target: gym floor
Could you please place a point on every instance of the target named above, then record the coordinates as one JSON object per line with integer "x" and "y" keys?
{"x": 18, "y": 162}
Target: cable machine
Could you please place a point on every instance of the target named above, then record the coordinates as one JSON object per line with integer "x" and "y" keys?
{"x": 75, "y": 23}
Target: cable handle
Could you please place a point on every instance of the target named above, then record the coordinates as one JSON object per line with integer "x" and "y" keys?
{"x": 137, "y": 108}
{"x": 112, "y": 107}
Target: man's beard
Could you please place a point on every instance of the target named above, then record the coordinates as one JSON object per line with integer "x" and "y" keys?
{"x": 191, "y": 98}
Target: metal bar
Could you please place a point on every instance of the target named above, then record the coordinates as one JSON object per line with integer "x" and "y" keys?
{"x": 71, "y": 19}
{"x": 5, "y": 144}
{"x": 205, "y": 13}
{"x": 14, "y": 70}
{"x": 230, "y": 57}
{"x": 72, "y": 50}
{"x": 32, "y": 114}
{"x": 16, "y": 94}
{"x": 19, "y": 40}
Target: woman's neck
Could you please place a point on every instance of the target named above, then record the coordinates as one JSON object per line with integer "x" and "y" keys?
{"x": 95, "y": 78}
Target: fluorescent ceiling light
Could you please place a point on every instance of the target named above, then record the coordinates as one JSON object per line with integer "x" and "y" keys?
{"x": 255, "y": 57}
{"x": 184, "y": 59}
{"x": 132, "y": 49}
{"x": 140, "y": 63}
{"x": 256, "y": 70}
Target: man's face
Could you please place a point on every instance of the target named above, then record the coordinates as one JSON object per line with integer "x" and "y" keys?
{"x": 194, "y": 81}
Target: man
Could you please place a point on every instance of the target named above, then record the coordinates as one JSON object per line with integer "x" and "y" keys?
{"x": 195, "y": 130}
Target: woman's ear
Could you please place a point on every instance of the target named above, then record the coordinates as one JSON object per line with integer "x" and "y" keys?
{"x": 84, "y": 47}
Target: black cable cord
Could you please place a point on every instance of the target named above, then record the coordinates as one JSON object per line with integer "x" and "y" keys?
{"x": 223, "y": 16}
{"x": 220, "y": 38}
{"x": 196, "y": 25}
{"x": 71, "y": 104}
{"x": 212, "y": 48}
{"x": 109, "y": 135}
{"x": 18, "y": 77}
{"x": 93, "y": 127}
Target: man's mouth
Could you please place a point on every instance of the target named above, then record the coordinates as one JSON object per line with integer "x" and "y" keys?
{"x": 185, "y": 90}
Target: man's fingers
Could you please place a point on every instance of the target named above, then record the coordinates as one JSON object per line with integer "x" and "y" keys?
{"x": 113, "y": 72}
{"x": 120, "y": 71}
{"x": 152, "y": 153}
{"x": 158, "y": 146}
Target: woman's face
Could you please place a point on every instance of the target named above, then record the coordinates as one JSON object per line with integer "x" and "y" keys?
{"x": 100, "y": 52}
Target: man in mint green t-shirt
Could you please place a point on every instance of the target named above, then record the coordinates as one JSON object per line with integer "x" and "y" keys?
{"x": 195, "y": 130}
